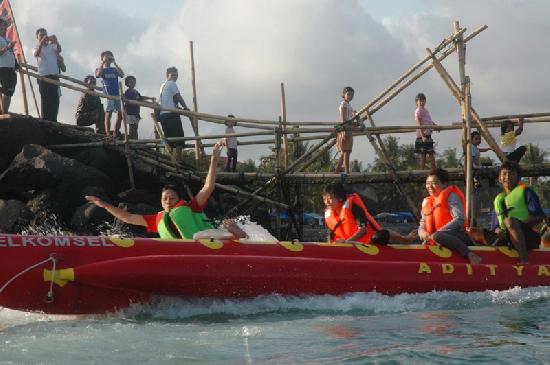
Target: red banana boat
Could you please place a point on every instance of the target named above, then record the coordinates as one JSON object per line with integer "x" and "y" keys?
{"x": 83, "y": 275}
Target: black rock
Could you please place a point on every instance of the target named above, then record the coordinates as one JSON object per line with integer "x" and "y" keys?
{"x": 14, "y": 216}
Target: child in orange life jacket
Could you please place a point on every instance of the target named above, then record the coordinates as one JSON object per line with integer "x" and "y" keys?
{"x": 443, "y": 219}
{"x": 348, "y": 219}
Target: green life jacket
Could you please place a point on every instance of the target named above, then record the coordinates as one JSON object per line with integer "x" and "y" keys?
{"x": 185, "y": 221}
{"x": 511, "y": 205}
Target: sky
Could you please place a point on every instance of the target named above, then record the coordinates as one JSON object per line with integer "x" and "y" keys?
{"x": 244, "y": 49}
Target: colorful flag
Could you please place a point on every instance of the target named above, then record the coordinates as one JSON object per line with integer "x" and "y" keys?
{"x": 7, "y": 14}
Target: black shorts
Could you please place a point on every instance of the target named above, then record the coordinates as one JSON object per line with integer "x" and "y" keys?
{"x": 424, "y": 147}
{"x": 171, "y": 125}
{"x": 8, "y": 80}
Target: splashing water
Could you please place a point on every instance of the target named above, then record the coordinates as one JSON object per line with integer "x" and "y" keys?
{"x": 254, "y": 231}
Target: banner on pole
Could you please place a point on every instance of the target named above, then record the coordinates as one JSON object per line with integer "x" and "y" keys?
{"x": 7, "y": 14}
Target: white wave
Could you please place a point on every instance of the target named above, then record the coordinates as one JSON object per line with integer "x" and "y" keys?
{"x": 254, "y": 231}
{"x": 365, "y": 303}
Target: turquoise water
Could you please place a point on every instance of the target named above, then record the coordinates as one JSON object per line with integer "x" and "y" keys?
{"x": 506, "y": 327}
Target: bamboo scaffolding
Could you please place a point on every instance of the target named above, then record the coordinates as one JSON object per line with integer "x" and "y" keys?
{"x": 23, "y": 92}
{"x": 483, "y": 130}
{"x": 471, "y": 210}
{"x": 194, "y": 121}
{"x": 407, "y": 73}
{"x": 233, "y": 190}
{"x": 490, "y": 122}
{"x": 283, "y": 124}
{"x": 465, "y": 108}
{"x": 126, "y": 149}
{"x": 20, "y": 68}
{"x": 405, "y": 176}
{"x": 373, "y": 109}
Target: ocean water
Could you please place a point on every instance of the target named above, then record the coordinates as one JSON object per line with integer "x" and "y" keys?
{"x": 491, "y": 327}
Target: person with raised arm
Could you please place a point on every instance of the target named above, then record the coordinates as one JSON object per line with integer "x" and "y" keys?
{"x": 178, "y": 219}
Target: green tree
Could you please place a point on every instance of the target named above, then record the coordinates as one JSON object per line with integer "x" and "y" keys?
{"x": 449, "y": 159}
{"x": 249, "y": 165}
{"x": 403, "y": 158}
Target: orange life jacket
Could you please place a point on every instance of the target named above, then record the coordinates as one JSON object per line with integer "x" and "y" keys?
{"x": 344, "y": 225}
{"x": 436, "y": 209}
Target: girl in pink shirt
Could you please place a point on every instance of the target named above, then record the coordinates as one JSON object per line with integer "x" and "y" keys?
{"x": 424, "y": 144}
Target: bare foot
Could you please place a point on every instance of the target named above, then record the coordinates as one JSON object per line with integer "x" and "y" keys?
{"x": 412, "y": 236}
{"x": 474, "y": 258}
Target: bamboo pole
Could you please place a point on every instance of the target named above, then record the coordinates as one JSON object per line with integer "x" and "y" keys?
{"x": 194, "y": 120}
{"x": 126, "y": 149}
{"x": 471, "y": 211}
{"x": 461, "y": 50}
{"x": 65, "y": 77}
{"x": 483, "y": 130}
{"x": 23, "y": 91}
{"x": 20, "y": 68}
{"x": 283, "y": 124}
{"x": 407, "y": 83}
{"x": 490, "y": 122}
{"x": 465, "y": 108}
{"x": 189, "y": 175}
{"x": 407, "y": 73}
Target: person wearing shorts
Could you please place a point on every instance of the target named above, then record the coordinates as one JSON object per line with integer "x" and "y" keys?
{"x": 8, "y": 78}
{"x": 109, "y": 72}
{"x": 424, "y": 145}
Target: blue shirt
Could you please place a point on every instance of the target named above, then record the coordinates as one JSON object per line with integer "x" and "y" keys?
{"x": 109, "y": 78}
{"x": 533, "y": 207}
{"x": 132, "y": 109}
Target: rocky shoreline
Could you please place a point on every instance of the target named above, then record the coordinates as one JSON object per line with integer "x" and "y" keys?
{"x": 41, "y": 188}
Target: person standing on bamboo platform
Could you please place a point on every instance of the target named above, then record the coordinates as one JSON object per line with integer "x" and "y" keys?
{"x": 8, "y": 77}
{"x": 109, "y": 72}
{"x": 230, "y": 143}
{"x": 424, "y": 145}
{"x": 344, "y": 139}
{"x": 170, "y": 97}
{"x": 47, "y": 56}
{"x": 443, "y": 220}
{"x": 132, "y": 110}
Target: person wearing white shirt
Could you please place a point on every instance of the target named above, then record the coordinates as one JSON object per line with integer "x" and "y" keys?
{"x": 170, "y": 98}
{"x": 8, "y": 77}
{"x": 48, "y": 58}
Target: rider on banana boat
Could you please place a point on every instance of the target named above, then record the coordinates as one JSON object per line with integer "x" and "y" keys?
{"x": 518, "y": 212}
{"x": 443, "y": 220}
{"x": 348, "y": 220}
{"x": 179, "y": 219}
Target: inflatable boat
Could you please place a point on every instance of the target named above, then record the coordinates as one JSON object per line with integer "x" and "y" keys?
{"x": 85, "y": 275}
